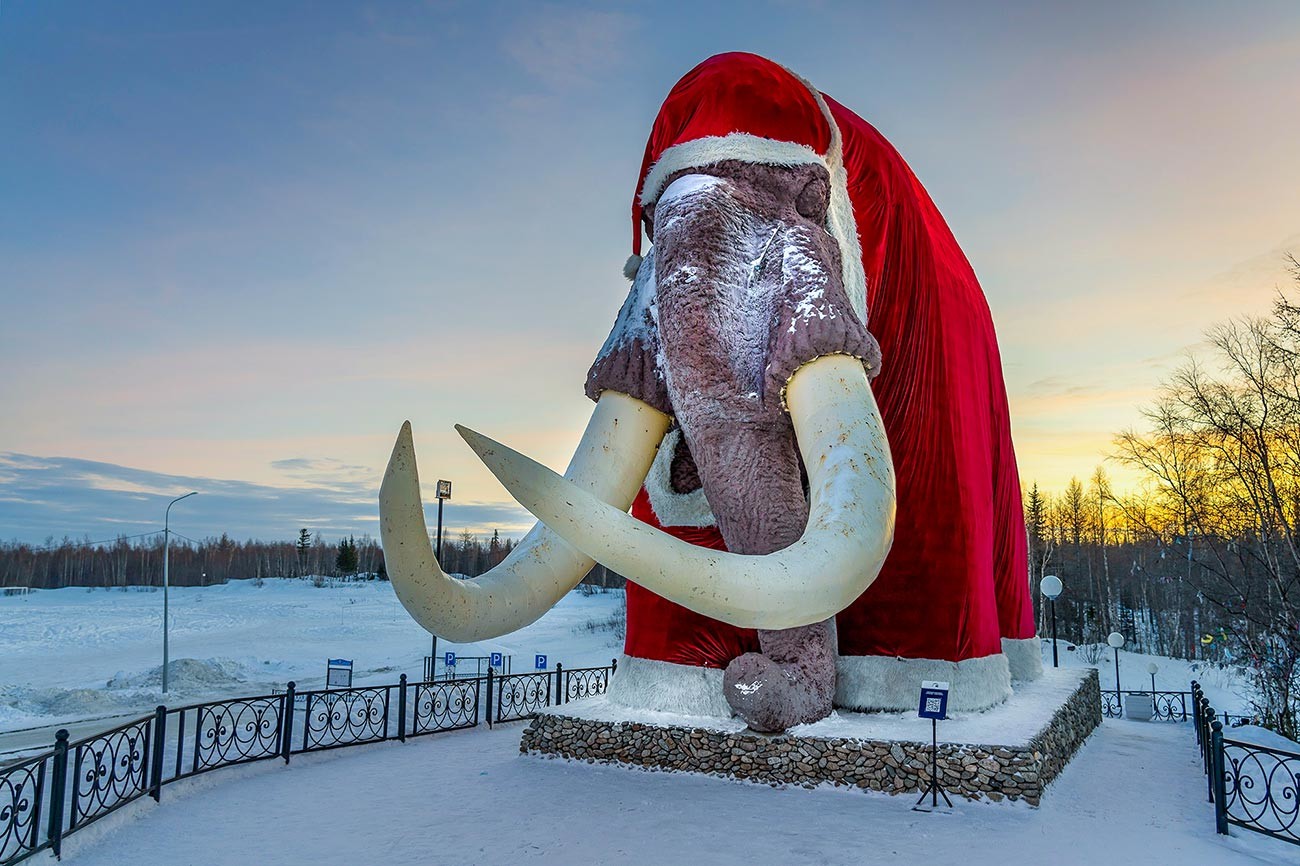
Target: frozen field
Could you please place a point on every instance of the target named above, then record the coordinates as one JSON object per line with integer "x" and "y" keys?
{"x": 73, "y": 654}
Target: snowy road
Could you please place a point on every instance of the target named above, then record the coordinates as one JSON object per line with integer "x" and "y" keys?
{"x": 1134, "y": 793}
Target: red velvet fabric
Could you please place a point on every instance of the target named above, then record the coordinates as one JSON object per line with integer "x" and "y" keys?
{"x": 956, "y": 580}
{"x": 663, "y": 630}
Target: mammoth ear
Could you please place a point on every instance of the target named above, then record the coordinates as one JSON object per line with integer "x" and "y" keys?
{"x": 628, "y": 361}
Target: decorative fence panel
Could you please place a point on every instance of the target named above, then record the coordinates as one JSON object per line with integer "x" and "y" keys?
{"x": 519, "y": 696}
{"x": 582, "y": 683}
{"x": 445, "y": 706}
{"x": 1166, "y": 706}
{"x": 345, "y": 717}
{"x": 22, "y": 794}
{"x": 109, "y": 771}
{"x": 1260, "y": 787}
{"x": 45, "y": 797}
{"x": 1251, "y": 786}
{"x": 236, "y": 732}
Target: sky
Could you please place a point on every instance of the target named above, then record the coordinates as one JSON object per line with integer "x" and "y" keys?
{"x": 241, "y": 243}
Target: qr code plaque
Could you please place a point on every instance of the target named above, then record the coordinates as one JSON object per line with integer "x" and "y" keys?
{"x": 932, "y": 705}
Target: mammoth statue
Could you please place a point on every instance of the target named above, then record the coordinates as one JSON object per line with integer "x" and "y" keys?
{"x": 802, "y": 405}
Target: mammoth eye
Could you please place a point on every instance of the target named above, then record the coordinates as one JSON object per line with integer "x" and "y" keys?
{"x": 813, "y": 200}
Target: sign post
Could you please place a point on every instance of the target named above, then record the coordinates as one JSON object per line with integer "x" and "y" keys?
{"x": 539, "y": 662}
{"x": 495, "y": 660}
{"x": 338, "y": 673}
{"x": 449, "y": 662}
{"x": 934, "y": 706}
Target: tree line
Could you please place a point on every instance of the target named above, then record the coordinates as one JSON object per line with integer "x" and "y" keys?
{"x": 139, "y": 561}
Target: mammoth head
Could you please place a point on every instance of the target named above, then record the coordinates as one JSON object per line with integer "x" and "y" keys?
{"x": 744, "y": 329}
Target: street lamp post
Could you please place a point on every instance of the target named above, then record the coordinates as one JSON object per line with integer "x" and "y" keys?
{"x": 1151, "y": 669}
{"x": 444, "y": 493}
{"x": 1051, "y": 587}
{"x": 1116, "y": 640}
{"x": 167, "y": 538}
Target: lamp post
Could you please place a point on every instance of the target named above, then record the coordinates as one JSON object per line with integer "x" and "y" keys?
{"x": 444, "y": 493}
{"x": 167, "y": 538}
{"x": 1151, "y": 669}
{"x": 1116, "y": 640}
{"x": 1051, "y": 586}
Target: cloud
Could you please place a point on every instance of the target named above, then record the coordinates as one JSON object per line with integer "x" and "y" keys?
{"x": 63, "y": 496}
{"x": 567, "y": 48}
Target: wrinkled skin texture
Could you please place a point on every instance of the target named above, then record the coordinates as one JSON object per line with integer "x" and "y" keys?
{"x": 748, "y": 290}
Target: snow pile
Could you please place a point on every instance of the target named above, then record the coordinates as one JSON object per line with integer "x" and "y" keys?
{"x": 185, "y": 675}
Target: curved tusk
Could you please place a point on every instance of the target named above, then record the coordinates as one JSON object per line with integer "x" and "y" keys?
{"x": 610, "y": 464}
{"x": 850, "y": 524}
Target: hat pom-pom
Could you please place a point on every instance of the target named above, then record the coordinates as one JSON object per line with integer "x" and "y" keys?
{"x": 631, "y": 266}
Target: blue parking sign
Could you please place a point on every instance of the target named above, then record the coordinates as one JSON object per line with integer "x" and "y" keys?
{"x": 449, "y": 659}
{"x": 495, "y": 661}
{"x": 539, "y": 662}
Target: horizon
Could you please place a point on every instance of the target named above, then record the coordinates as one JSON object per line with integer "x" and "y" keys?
{"x": 246, "y": 244}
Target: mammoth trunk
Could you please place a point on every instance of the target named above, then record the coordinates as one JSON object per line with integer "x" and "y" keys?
{"x": 728, "y": 279}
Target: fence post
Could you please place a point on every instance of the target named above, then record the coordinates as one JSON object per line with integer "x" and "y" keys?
{"x": 559, "y": 685}
{"x": 401, "y": 708}
{"x": 613, "y": 666}
{"x": 58, "y": 791}
{"x": 159, "y": 733}
{"x": 1211, "y": 723}
{"x": 1219, "y": 788}
{"x": 286, "y": 732}
{"x": 488, "y": 715}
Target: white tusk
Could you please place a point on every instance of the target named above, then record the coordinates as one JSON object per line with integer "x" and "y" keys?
{"x": 850, "y": 524}
{"x": 610, "y": 465}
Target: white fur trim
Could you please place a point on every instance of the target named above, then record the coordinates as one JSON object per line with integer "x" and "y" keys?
{"x": 668, "y": 688}
{"x": 1024, "y": 656}
{"x": 670, "y": 507}
{"x": 839, "y": 217}
{"x": 868, "y": 683}
{"x": 631, "y": 266}
{"x": 740, "y": 146}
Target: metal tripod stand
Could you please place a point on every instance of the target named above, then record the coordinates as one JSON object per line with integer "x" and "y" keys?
{"x": 933, "y": 790}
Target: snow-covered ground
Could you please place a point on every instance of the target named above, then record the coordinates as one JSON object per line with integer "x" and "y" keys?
{"x": 1134, "y": 792}
{"x": 72, "y": 654}
{"x": 469, "y": 797}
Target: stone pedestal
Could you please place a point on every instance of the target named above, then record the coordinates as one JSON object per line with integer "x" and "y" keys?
{"x": 1008, "y": 752}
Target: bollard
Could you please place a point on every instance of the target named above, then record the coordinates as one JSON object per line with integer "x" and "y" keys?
{"x": 401, "y": 708}
{"x": 58, "y": 791}
{"x": 155, "y": 771}
{"x": 286, "y": 732}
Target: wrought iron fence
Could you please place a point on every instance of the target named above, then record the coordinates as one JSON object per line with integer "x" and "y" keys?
{"x": 109, "y": 770}
{"x": 1251, "y": 786}
{"x": 1165, "y": 706}
{"x": 22, "y": 791}
{"x": 45, "y": 797}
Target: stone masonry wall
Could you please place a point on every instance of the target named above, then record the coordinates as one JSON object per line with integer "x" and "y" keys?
{"x": 974, "y": 772}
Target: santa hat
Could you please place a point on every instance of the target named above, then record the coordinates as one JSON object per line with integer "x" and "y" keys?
{"x": 743, "y": 107}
